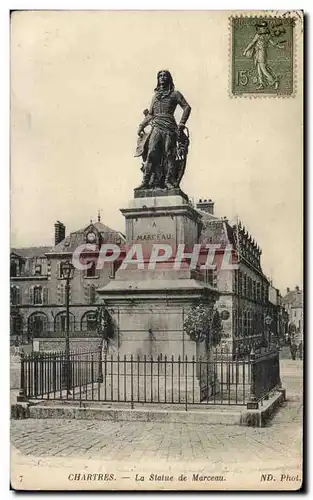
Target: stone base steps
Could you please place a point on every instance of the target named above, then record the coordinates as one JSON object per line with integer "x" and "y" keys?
{"x": 195, "y": 414}
{"x": 226, "y": 417}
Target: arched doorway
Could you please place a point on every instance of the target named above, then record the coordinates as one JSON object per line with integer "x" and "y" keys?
{"x": 60, "y": 322}
{"x": 89, "y": 322}
{"x": 37, "y": 325}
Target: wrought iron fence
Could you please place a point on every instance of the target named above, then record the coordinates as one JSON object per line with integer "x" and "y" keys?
{"x": 220, "y": 379}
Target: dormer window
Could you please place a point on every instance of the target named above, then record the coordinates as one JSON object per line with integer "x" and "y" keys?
{"x": 37, "y": 269}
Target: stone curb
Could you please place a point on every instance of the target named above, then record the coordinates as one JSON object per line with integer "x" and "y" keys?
{"x": 260, "y": 417}
{"x": 135, "y": 415}
{"x": 250, "y": 418}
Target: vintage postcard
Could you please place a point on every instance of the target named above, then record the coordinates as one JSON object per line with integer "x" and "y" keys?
{"x": 156, "y": 286}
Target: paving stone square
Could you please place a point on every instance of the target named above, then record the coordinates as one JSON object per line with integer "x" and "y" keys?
{"x": 279, "y": 442}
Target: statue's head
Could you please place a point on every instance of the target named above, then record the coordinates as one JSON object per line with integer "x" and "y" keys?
{"x": 165, "y": 79}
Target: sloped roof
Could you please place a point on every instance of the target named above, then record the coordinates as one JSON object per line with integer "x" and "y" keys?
{"x": 76, "y": 238}
{"x": 31, "y": 252}
{"x": 294, "y": 298}
{"x": 213, "y": 231}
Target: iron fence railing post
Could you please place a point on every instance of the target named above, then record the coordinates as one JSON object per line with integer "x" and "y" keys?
{"x": 35, "y": 377}
{"x": 186, "y": 383}
{"x": 92, "y": 377}
{"x": 100, "y": 372}
{"x": 278, "y": 369}
{"x": 22, "y": 396}
{"x": 252, "y": 403}
{"x": 131, "y": 382}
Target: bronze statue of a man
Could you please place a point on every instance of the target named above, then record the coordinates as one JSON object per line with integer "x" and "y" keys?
{"x": 160, "y": 169}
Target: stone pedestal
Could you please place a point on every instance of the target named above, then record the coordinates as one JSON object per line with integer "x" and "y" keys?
{"x": 162, "y": 219}
{"x": 148, "y": 306}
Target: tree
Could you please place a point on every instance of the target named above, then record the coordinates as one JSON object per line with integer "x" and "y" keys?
{"x": 203, "y": 323}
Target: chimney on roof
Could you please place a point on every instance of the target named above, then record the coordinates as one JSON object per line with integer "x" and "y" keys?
{"x": 288, "y": 289}
{"x": 206, "y": 206}
{"x": 59, "y": 232}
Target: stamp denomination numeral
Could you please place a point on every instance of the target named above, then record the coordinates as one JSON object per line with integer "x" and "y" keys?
{"x": 242, "y": 77}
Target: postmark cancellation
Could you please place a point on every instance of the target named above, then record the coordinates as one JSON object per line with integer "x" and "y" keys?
{"x": 262, "y": 56}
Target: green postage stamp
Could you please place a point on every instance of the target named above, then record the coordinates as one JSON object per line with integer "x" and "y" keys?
{"x": 262, "y": 52}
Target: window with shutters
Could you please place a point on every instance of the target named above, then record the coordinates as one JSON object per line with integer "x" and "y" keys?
{"x": 37, "y": 295}
{"x": 15, "y": 295}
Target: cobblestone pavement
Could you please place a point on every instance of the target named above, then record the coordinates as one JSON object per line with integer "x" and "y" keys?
{"x": 279, "y": 442}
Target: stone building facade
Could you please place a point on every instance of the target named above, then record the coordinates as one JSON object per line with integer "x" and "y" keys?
{"x": 244, "y": 292}
{"x": 38, "y": 287}
{"x": 293, "y": 303}
{"x": 278, "y": 314}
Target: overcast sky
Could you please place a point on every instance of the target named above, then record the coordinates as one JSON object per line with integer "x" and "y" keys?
{"x": 80, "y": 81}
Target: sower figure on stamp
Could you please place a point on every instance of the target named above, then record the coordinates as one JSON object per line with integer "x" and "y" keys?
{"x": 258, "y": 49}
{"x": 160, "y": 148}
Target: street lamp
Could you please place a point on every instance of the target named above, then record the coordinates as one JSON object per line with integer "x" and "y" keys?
{"x": 102, "y": 329}
{"x": 67, "y": 270}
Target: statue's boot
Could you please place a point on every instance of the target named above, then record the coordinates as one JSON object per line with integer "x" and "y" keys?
{"x": 143, "y": 185}
{"x": 168, "y": 183}
{"x": 145, "y": 181}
